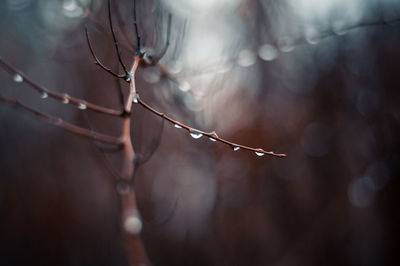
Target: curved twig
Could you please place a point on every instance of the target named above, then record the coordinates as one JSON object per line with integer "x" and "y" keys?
{"x": 139, "y": 48}
{"x": 97, "y": 61}
{"x": 196, "y": 133}
{"x": 115, "y": 41}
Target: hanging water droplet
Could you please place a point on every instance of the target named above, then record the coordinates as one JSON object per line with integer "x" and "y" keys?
{"x": 43, "y": 95}
{"x": 65, "y": 100}
{"x": 286, "y": 44}
{"x": 123, "y": 187}
{"x": 82, "y": 106}
{"x": 260, "y": 153}
{"x": 18, "y": 78}
{"x": 128, "y": 77}
{"x": 133, "y": 224}
{"x": 135, "y": 98}
{"x": 196, "y": 135}
{"x": 212, "y": 139}
{"x": 236, "y": 148}
{"x": 177, "y": 126}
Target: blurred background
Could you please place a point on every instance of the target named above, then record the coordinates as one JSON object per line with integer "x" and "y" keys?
{"x": 317, "y": 80}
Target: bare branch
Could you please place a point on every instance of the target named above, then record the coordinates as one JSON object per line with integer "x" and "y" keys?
{"x": 63, "y": 97}
{"x": 157, "y": 58}
{"x": 196, "y": 133}
{"x": 65, "y": 125}
{"x": 340, "y": 31}
{"x": 98, "y": 62}
{"x": 139, "y": 48}
{"x": 127, "y": 75}
{"x": 155, "y": 143}
{"x": 132, "y": 90}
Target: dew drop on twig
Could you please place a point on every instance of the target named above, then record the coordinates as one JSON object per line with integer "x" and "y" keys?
{"x": 82, "y": 106}
{"x": 236, "y": 148}
{"x": 135, "y": 98}
{"x": 65, "y": 100}
{"x": 18, "y": 78}
{"x": 43, "y": 95}
{"x": 212, "y": 139}
{"x": 177, "y": 126}
{"x": 260, "y": 153}
{"x": 133, "y": 224}
{"x": 128, "y": 77}
{"x": 196, "y": 135}
{"x": 123, "y": 187}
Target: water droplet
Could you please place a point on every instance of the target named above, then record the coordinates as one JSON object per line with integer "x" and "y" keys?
{"x": 286, "y": 44}
{"x": 82, "y": 106}
{"x": 196, "y": 135}
{"x": 65, "y": 100}
{"x": 339, "y": 27}
{"x": 58, "y": 121}
{"x": 177, "y": 126}
{"x": 18, "y": 78}
{"x": 128, "y": 77}
{"x": 151, "y": 75}
{"x": 312, "y": 36}
{"x": 260, "y": 153}
{"x": 184, "y": 86}
{"x": 268, "y": 52}
{"x": 123, "y": 187}
{"x": 246, "y": 58}
{"x": 135, "y": 98}
{"x": 212, "y": 139}
{"x": 44, "y": 95}
{"x": 236, "y": 148}
{"x": 133, "y": 224}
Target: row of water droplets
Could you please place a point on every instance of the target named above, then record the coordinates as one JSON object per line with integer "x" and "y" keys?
{"x": 44, "y": 95}
{"x": 196, "y": 135}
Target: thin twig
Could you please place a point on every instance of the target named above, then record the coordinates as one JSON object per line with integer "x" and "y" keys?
{"x": 63, "y": 97}
{"x": 155, "y": 143}
{"x": 341, "y": 31}
{"x": 115, "y": 40}
{"x": 212, "y": 135}
{"x": 139, "y": 48}
{"x": 106, "y": 160}
{"x": 97, "y": 61}
{"x": 157, "y": 58}
{"x": 65, "y": 125}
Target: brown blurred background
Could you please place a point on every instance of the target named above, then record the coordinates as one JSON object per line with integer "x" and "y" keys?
{"x": 317, "y": 80}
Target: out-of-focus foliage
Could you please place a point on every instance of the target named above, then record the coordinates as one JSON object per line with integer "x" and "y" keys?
{"x": 314, "y": 79}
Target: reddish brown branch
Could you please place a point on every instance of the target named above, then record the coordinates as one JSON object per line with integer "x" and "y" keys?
{"x": 212, "y": 135}
{"x": 65, "y": 125}
{"x": 63, "y": 97}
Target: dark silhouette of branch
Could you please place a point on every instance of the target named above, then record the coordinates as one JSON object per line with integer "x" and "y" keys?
{"x": 115, "y": 41}
{"x": 64, "y": 125}
{"x": 153, "y": 60}
{"x": 97, "y": 61}
{"x": 340, "y": 31}
{"x": 142, "y": 159}
{"x": 138, "y": 44}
